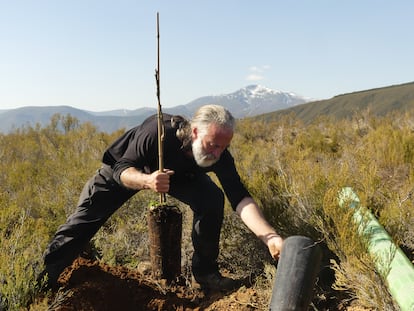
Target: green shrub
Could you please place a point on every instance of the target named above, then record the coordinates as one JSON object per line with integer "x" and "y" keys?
{"x": 294, "y": 171}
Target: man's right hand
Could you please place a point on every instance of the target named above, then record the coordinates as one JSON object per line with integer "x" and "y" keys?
{"x": 160, "y": 181}
{"x": 137, "y": 180}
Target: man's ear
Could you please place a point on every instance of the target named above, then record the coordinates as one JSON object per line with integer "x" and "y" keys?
{"x": 194, "y": 133}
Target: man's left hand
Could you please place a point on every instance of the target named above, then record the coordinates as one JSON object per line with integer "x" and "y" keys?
{"x": 274, "y": 243}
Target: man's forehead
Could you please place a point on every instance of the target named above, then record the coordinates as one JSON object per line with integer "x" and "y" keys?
{"x": 219, "y": 134}
{"x": 215, "y": 129}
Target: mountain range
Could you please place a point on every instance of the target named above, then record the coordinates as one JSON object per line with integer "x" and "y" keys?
{"x": 249, "y": 101}
{"x": 253, "y": 101}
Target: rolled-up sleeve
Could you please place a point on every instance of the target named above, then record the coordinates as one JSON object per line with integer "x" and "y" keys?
{"x": 140, "y": 153}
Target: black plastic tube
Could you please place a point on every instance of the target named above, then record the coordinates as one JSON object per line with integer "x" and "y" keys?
{"x": 297, "y": 269}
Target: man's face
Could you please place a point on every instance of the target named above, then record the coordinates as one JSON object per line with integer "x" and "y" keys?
{"x": 208, "y": 147}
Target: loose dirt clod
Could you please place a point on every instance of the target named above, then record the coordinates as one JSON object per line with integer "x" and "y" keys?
{"x": 91, "y": 285}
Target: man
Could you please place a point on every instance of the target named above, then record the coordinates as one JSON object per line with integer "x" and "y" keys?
{"x": 130, "y": 164}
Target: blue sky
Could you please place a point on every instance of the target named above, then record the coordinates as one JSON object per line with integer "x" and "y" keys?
{"x": 101, "y": 55}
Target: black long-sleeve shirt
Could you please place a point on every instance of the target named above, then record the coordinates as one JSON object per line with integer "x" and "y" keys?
{"x": 138, "y": 147}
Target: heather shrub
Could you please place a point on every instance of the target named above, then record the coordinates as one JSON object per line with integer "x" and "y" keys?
{"x": 42, "y": 173}
{"x": 294, "y": 171}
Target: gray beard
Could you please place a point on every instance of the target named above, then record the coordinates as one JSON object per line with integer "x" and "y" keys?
{"x": 202, "y": 159}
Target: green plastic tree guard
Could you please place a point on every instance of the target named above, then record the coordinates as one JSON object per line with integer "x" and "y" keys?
{"x": 390, "y": 260}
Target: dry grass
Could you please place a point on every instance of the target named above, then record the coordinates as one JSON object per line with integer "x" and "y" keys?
{"x": 292, "y": 170}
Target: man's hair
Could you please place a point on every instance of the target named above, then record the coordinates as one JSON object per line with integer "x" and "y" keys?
{"x": 209, "y": 114}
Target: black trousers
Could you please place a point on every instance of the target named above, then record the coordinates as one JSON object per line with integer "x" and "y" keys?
{"x": 102, "y": 196}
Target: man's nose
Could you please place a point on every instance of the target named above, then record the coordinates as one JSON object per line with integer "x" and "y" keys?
{"x": 217, "y": 152}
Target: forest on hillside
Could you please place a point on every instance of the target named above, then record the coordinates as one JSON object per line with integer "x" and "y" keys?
{"x": 294, "y": 171}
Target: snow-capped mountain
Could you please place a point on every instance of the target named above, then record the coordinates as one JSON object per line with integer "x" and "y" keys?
{"x": 250, "y": 101}
{"x": 246, "y": 102}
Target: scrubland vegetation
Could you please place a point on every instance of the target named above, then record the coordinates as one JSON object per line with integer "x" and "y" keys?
{"x": 294, "y": 171}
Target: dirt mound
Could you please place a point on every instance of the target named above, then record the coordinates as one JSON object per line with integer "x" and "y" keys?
{"x": 90, "y": 285}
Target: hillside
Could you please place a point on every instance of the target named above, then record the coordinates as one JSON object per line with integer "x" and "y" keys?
{"x": 294, "y": 171}
{"x": 248, "y": 101}
{"x": 379, "y": 102}
{"x": 252, "y": 101}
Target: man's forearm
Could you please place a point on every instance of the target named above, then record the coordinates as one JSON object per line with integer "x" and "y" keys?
{"x": 158, "y": 181}
{"x": 134, "y": 179}
{"x": 253, "y": 217}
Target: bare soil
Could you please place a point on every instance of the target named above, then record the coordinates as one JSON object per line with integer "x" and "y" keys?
{"x": 90, "y": 285}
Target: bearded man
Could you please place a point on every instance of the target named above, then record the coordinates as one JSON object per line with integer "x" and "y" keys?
{"x": 191, "y": 150}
